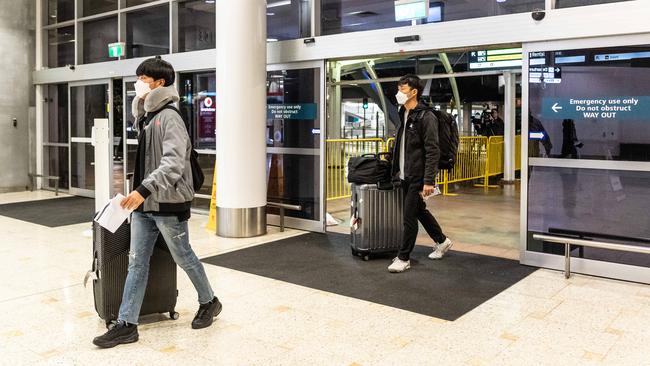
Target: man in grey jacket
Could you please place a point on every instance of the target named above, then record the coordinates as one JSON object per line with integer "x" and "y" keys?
{"x": 162, "y": 199}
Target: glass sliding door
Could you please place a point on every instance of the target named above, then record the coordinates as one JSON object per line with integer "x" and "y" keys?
{"x": 295, "y": 162}
{"x": 88, "y": 101}
{"x": 588, "y": 174}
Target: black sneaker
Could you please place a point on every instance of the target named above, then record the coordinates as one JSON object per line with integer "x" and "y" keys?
{"x": 121, "y": 333}
{"x": 206, "y": 314}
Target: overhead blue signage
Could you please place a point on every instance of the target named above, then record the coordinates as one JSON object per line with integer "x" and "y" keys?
{"x": 615, "y": 108}
{"x": 306, "y": 111}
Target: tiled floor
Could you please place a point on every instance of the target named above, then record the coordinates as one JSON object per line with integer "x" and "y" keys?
{"x": 49, "y": 317}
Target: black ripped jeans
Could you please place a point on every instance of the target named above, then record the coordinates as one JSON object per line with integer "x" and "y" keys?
{"x": 415, "y": 209}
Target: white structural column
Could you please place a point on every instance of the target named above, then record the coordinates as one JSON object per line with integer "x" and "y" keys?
{"x": 509, "y": 116}
{"x": 241, "y": 117}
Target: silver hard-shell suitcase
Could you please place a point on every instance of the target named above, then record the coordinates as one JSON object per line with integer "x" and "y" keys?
{"x": 377, "y": 220}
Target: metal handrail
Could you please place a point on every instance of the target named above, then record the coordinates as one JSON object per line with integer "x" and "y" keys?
{"x": 567, "y": 242}
{"x": 282, "y": 207}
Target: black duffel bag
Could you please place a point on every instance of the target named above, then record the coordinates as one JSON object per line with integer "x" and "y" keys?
{"x": 370, "y": 169}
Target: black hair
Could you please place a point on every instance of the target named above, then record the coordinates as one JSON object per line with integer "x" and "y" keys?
{"x": 413, "y": 81}
{"x": 157, "y": 69}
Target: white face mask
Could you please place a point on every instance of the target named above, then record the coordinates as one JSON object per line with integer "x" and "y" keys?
{"x": 141, "y": 88}
{"x": 401, "y": 98}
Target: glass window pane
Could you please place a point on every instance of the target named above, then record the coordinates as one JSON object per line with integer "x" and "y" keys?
{"x": 340, "y": 16}
{"x": 196, "y": 26}
{"x": 574, "y": 3}
{"x": 61, "y": 45}
{"x": 92, "y": 7}
{"x": 82, "y": 166}
{"x": 55, "y": 160}
{"x": 288, "y": 90}
{"x": 590, "y": 104}
{"x": 288, "y": 19}
{"x": 59, "y": 11}
{"x": 97, "y": 34}
{"x": 56, "y": 128}
{"x": 88, "y": 102}
{"x": 198, "y": 107}
{"x": 566, "y": 201}
{"x": 147, "y": 32}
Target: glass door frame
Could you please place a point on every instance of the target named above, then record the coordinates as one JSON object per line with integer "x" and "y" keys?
{"x": 86, "y": 140}
{"x": 552, "y": 261}
{"x": 292, "y": 222}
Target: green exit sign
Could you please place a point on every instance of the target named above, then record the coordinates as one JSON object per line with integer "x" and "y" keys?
{"x": 116, "y": 49}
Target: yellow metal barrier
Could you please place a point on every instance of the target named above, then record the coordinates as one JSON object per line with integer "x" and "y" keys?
{"x": 518, "y": 152}
{"x": 338, "y": 153}
{"x": 478, "y": 157}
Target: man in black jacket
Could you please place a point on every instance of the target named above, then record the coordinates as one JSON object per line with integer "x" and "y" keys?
{"x": 415, "y": 165}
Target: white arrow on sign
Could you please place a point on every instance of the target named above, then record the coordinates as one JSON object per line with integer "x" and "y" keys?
{"x": 536, "y": 135}
{"x": 556, "y": 107}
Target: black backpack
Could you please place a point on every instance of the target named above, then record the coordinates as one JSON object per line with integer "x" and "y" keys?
{"x": 447, "y": 138}
{"x": 370, "y": 169}
{"x": 197, "y": 173}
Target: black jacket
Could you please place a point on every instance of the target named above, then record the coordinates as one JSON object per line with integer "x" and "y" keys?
{"x": 421, "y": 146}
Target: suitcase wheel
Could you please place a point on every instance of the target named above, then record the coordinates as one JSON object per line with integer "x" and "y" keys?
{"x": 174, "y": 315}
{"x": 365, "y": 257}
{"x": 110, "y": 325}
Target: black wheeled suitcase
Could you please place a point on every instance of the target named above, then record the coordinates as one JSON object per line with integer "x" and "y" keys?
{"x": 110, "y": 267}
{"x": 377, "y": 220}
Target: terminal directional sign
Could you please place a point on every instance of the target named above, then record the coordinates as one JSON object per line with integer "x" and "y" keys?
{"x": 614, "y": 108}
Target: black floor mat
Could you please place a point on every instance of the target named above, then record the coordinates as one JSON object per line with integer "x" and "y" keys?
{"x": 444, "y": 289}
{"x": 52, "y": 212}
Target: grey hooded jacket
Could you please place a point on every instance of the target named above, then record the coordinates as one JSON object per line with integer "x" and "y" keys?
{"x": 167, "y": 179}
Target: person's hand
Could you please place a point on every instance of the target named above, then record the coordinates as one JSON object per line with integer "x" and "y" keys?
{"x": 132, "y": 201}
{"x": 428, "y": 190}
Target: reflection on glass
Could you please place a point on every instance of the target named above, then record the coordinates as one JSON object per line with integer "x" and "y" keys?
{"x": 60, "y": 51}
{"x": 59, "y": 11}
{"x": 287, "y": 19}
{"x": 340, "y": 16}
{"x": 196, "y": 26}
{"x": 293, "y": 140}
{"x": 97, "y": 34}
{"x": 198, "y": 107}
{"x": 82, "y": 166}
{"x": 207, "y": 163}
{"x": 87, "y": 103}
{"x": 291, "y": 94}
{"x": 57, "y": 113}
{"x": 55, "y": 159}
{"x": 295, "y": 179}
{"x": 602, "y": 205}
{"x": 147, "y": 32}
{"x": 92, "y": 7}
{"x": 590, "y": 104}
{"x": 573, "y": 3}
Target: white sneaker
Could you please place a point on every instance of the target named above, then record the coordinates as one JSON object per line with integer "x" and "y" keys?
{"x": 399, "y": 266}
{"x": 441, "y": 249}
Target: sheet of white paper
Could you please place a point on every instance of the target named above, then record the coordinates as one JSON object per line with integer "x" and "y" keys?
{"x": 113, "y": 215}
